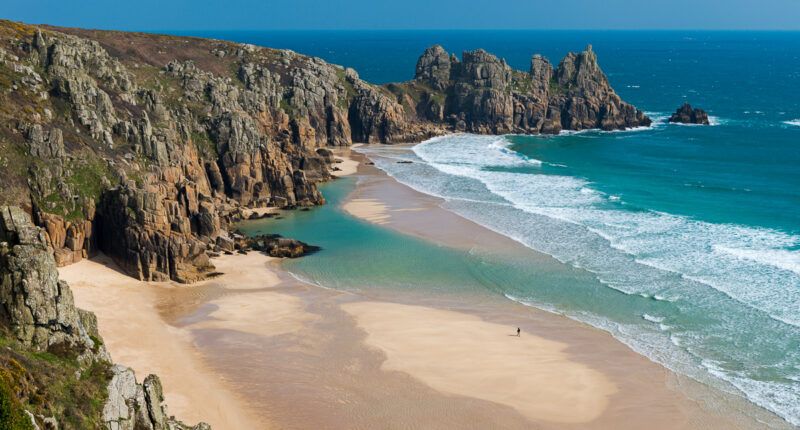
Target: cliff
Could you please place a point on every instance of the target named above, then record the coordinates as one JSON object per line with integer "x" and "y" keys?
{"x": 54, "y": 369}
{"x": 482, "y": 94}
{"x": 147, "y": 146}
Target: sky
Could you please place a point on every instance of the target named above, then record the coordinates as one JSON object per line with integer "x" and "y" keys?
{"x": 187, "y": 15}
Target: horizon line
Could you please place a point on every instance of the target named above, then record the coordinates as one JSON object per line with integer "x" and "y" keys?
{"x": 133, "y": 30}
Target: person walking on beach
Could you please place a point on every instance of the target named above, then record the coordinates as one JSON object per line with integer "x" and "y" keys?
{"x": 517, "y": 331}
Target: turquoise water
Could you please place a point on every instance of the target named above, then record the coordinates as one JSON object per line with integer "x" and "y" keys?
{"x": 681, "y": 241}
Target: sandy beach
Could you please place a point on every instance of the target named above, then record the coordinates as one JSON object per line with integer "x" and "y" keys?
{"x": 137, "y": 336}
{"x": 256, "y": 348}
{"x": 461, "y": 354}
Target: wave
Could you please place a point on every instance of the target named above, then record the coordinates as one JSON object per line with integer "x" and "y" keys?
{"x": 653, "y": 319}
{"x": 663, "y": 241}
{"x": 677, "y": 261}
{"x": 795, "y": 122}
{"x": 780, "y": 258}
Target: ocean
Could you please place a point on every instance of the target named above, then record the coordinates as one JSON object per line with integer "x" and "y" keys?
{"x": 681, "y": 241}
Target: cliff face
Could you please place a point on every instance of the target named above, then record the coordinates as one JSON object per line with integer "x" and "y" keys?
{"x": 112, "y": 149}
{"x": 52, "y": 353}
{"x": 145, "y": 146}
{"x": 482, "y": 94}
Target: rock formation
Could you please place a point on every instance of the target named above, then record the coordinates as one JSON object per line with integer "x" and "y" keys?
{"x": 38, "y": 310}
{"x": 133, "y": 406}
{"x": 482, "y": 94}
{"x": 146, "y": 147}
{"x": 34, "y": 304}
{"x": 686, "y": 115}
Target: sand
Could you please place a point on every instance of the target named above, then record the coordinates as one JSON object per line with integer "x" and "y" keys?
{"x": 348, "y": 165}
{"x": 256, "y": 348}
{"x": 461, "y": 354}
{"x": 263, "y": 313}
{"x": 138, "y": 337}
{"x": 370, "y": 210}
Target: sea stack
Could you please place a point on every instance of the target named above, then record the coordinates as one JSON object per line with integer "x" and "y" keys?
{"x": 686, "y": 115}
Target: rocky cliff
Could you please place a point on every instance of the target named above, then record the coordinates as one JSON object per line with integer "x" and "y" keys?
{"x": 52, "y": 354}
{"x": 146, "y": 146}
{"x": 482, "y": 94}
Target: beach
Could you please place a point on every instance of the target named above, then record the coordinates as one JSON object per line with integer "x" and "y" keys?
{"x": 258, "y": 348}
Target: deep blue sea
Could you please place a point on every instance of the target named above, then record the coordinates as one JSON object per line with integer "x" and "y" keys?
{"x": 687, "y": 238}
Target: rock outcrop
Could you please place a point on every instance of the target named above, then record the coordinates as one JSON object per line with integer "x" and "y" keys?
{"x": 482, "y": 94}
{"x": 686, "y": 115}
{"x": 274, "y": 245}
{"x": 34, "y": 304}
{"x": 133, "y": 406}
{"x": 38, "y": 309}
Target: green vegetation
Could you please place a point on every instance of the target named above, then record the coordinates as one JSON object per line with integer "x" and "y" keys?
{"x": 85, "y": 183}
{"x": 414, "y": 90}
{"x": 521, "y": 82}
{"x": 290, "y": 110}
{"x": 50, "y": 384}
{"x": 12, "y": 416}
{"x": 151, "y": 77}
{"x": 350, "y": 91}
{"x": 439, "y": 98}
{"x": 205, "y": 145}
{"x": 555, "y": 88}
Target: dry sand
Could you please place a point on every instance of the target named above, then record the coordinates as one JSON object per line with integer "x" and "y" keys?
{"x": 461, "y": 354}
{"x": 260, "y": 211}
{"x": 349, "y": 165}
{"x": 137, "y": 336}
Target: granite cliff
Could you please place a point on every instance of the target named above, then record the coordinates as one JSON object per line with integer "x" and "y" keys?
{"x": 482, "y": 94}
{"x": 147, "y": 146}
{"x": 54, "y": 370}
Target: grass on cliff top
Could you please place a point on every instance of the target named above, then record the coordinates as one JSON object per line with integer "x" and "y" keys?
{"x": 520, "y": 82}
{"x": 49, "y": 384}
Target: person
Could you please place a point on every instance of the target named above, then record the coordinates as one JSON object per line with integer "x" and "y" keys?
{"x": 517, "y": 331}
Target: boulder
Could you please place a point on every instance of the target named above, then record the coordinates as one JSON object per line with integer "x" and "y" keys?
{"x": 686, "y": 115}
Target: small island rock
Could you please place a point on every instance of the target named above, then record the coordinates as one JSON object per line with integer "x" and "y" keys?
{"x": 686, "y": 115}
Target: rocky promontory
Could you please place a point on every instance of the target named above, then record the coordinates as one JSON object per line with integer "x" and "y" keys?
{"x": 686, "y": 115}
{"x": 481, "y": 94}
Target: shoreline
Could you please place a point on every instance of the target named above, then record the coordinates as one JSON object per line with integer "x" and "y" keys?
{"x": 275, "y": 351}
{"x": 412, "y": 212}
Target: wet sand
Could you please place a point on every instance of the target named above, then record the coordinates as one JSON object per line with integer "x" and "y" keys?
{"x": 461, "y": 354}
{"x": 256, "y": 346}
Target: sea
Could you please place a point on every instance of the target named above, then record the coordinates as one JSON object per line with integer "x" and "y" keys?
{"x": 681, "y": 241}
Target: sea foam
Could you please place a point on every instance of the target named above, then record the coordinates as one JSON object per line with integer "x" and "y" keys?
{"x": 676, "y": 260}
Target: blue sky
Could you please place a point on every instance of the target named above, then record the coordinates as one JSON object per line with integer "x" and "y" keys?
{"x": 407, "y": 14}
